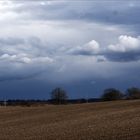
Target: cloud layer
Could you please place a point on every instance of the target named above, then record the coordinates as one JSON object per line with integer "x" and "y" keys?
{"x": 60, "y": 42}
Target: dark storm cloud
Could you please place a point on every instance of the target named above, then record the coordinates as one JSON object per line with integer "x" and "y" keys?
{"x": 123, "y": 57}
{"x": 113, "y": 12}
{"x": 121, "y": 13}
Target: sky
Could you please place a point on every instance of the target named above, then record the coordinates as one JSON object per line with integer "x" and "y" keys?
{"x": 82, "y": 46}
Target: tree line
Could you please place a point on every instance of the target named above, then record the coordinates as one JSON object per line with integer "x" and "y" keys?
{"x": 60, "y": 96}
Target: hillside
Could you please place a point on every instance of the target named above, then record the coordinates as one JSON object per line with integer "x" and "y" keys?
{"x": 118, "y": 120}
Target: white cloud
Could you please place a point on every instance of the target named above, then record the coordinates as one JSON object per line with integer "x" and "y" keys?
{"x": 90, "y": 48}
{"x": 93, "y": 47}
{"x": 126, "y": 44}
{"x": 25, "y": 58}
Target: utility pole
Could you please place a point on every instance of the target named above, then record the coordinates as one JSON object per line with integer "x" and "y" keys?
{"x": 5, "y": 103}
{"x": 87, "y": 97}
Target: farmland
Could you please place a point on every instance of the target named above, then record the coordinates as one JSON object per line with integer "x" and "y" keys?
{"x": 118, "y": 120}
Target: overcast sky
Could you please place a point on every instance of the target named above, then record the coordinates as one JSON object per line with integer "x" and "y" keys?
{"x": 81, "y": 46}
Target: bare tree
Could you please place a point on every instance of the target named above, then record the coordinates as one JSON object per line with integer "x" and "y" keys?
{"x": 59, "y": 96}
